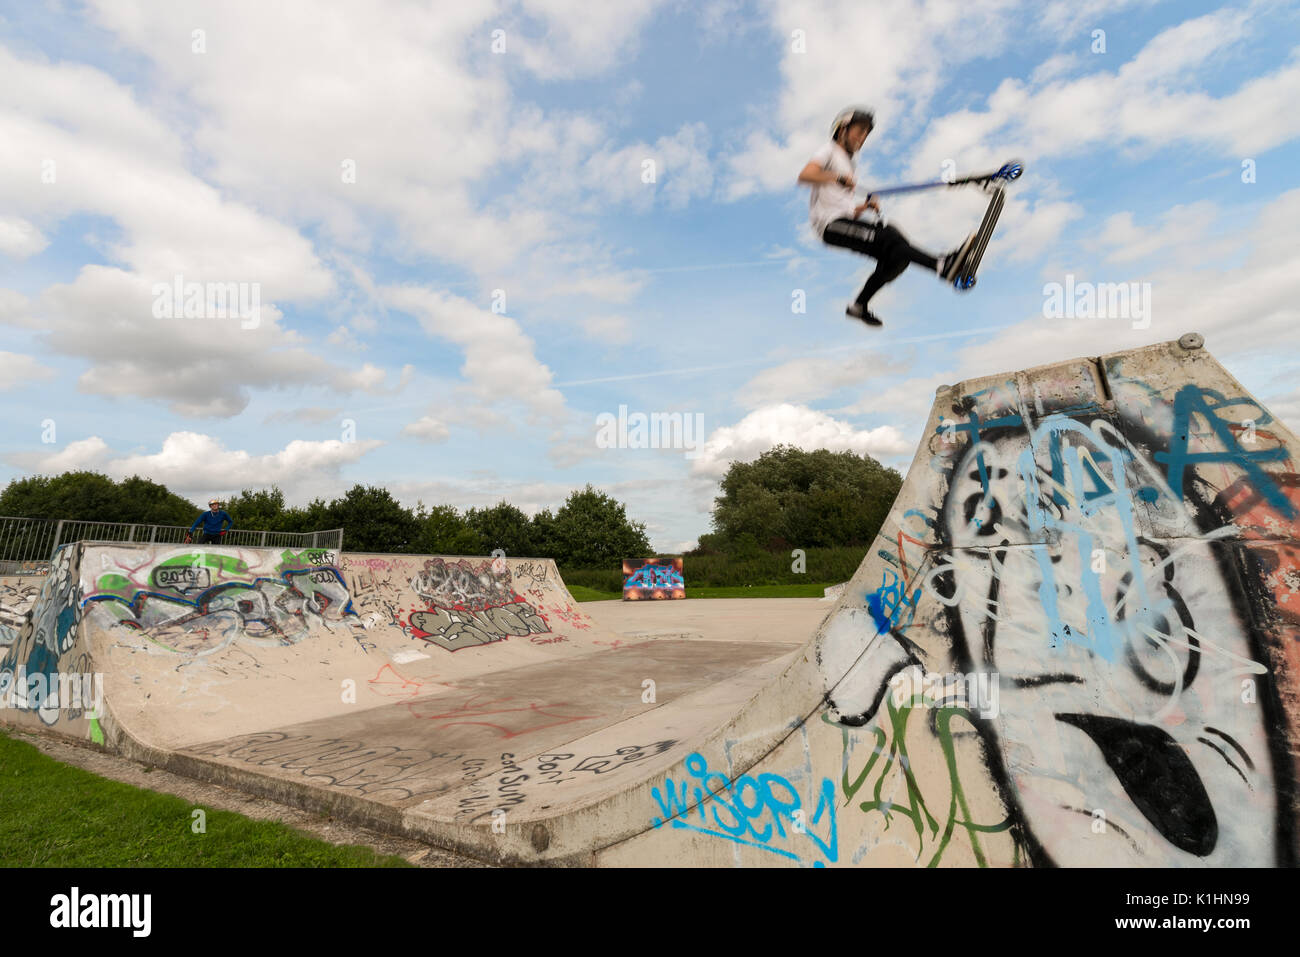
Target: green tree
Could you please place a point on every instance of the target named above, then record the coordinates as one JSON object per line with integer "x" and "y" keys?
{"x": 592, "y": 530}
{"x": 543, "y": 534}
{"x": 90, "y": 496}
{"x": 373, "y": 521}
{"x": 259, "y": 509}
{"x": 502, "y": 526}
{"x": 314, "y": 517}
{"x": 789, "y": 497}
{"x": 444, "y": 531}
{"x": 145, "y": 501}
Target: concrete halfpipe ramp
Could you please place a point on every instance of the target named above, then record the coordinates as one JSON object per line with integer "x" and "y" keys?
{"x": 1074, "y": 642}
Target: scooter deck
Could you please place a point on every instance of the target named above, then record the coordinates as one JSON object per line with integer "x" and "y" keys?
{"x": 966, "y": 278}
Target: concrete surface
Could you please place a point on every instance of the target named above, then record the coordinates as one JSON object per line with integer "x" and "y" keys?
{"x": 711, "y": 619}
{"x": 1075, "y": 641}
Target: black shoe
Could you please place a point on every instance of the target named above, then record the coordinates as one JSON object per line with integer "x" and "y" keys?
{"x": 858, "y": 311}
{"x": 953, "y": 261}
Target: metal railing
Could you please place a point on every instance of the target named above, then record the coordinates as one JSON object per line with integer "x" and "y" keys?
{"x": 30, "y": 542}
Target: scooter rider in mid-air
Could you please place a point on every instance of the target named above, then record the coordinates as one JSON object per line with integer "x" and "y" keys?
{"x": 834, "y": 211}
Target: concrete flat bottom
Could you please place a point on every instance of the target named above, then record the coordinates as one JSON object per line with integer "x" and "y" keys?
{"x": 714, "y": 619}
{"x": 565, "y": 718}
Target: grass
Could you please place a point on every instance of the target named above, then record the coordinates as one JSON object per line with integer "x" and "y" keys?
{"x": 55, "y": 815}
{"x": 583, "y": 593}
{"x": 813, "y": 590}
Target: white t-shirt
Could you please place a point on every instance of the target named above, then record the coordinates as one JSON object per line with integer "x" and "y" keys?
{"x": 832, "y": 201}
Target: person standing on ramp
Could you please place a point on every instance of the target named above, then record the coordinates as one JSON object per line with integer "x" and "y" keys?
{"x": 216, "y": 521}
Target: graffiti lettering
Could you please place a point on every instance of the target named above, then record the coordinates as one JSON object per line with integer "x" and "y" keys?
{"x": 756, "y": 812}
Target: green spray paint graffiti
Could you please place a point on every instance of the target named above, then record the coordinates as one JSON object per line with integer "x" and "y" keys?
{"x": 890, "y": 760}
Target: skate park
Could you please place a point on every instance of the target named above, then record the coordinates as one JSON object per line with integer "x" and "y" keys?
{"x": 1073, "y": 643}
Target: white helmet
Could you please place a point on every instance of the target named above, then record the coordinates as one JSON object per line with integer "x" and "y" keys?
{"x": 850, "y": 115}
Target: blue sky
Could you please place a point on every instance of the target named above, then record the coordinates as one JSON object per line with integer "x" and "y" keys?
{"x": 141, "y": 141}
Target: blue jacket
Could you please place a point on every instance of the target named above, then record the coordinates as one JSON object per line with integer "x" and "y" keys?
{"x": 212, "y": 521}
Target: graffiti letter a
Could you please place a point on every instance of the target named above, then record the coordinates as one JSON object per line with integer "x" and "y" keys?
{"x": 1191, "y": 401}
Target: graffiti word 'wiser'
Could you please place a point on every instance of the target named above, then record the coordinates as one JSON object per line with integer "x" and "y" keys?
{"x": 753, "y": 811}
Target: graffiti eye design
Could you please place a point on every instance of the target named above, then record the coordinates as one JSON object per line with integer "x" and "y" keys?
{"x": 1158, "y": 777}
{"x": 984, "y": 518}
{"x": 1155, "y": 631}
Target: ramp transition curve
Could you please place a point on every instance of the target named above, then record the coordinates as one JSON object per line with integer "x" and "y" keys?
{"x": 1074, "y": 642}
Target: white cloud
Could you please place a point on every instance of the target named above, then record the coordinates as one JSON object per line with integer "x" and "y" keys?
{"x": 310, "y": 415}
{"x": 15, "y": 309}
{"x": 1069, "y": 18}
{"x": 909, "y": 400}
{"x": 796, "y": 425}
{"x": 1286, "y": 407}
{"x": 334, "y": 161}
{"x": 580, "y": 38}
{"x": 76, "y": 456}
{"x": 343, "y": 338}
{"x": 427, "y": 429}
{"x": 19, "y": 370}
{"x": 121, "y": 162}
{"x": 500, "y": 364}
{"x": 483, "y": 490}
{"x": 1244, "y": 309}
{"x": 193, "y": 463}
{"x": 1138, "y": 105}
{"x": 200, "y": 367}
{"x": 20, "y": 239}
{"x": 902, "y": 51}
{"x": 1122, "y": 240}
{"x": 801, "y": 380}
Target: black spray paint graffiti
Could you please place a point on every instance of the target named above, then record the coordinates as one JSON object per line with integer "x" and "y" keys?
{"x": 16, "y": 601}
{"x": 41, "y": 653}
{"x": 461, "y": 585}
{"x": 458, "y": 604}
{"x": 518, "y": 780}
{"x": 1123, "y": 625}
{"x": 470, "y": 606}
{"x": 398, "y": 774}
{"x": 602, "y": 763}
{"x": 532, "y": 574}
{"x": 455, "y": 628}
{"x": 197, "y": 618}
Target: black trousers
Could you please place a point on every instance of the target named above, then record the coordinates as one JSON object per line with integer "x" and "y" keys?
{"x": 209, "y": 538}
{"x": 889, "y": 247}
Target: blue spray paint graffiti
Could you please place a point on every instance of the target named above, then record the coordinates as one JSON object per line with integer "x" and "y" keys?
{"x": 765, "y": 812}
{"x": 886, "y": 604}
{"x": 1190, "y": 401}
{"x": 655, "y": 576}
{"x": 40, "y": 660}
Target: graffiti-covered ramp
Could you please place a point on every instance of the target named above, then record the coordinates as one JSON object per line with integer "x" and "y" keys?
{"x": 367, "y": 684}
{"x": 1074, "y": 642}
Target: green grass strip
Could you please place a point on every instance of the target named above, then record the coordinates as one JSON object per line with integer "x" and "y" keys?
{"x": 582, "y": 593}
{"x": 759, "y": 591}
{"x": 55, "y": 815}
